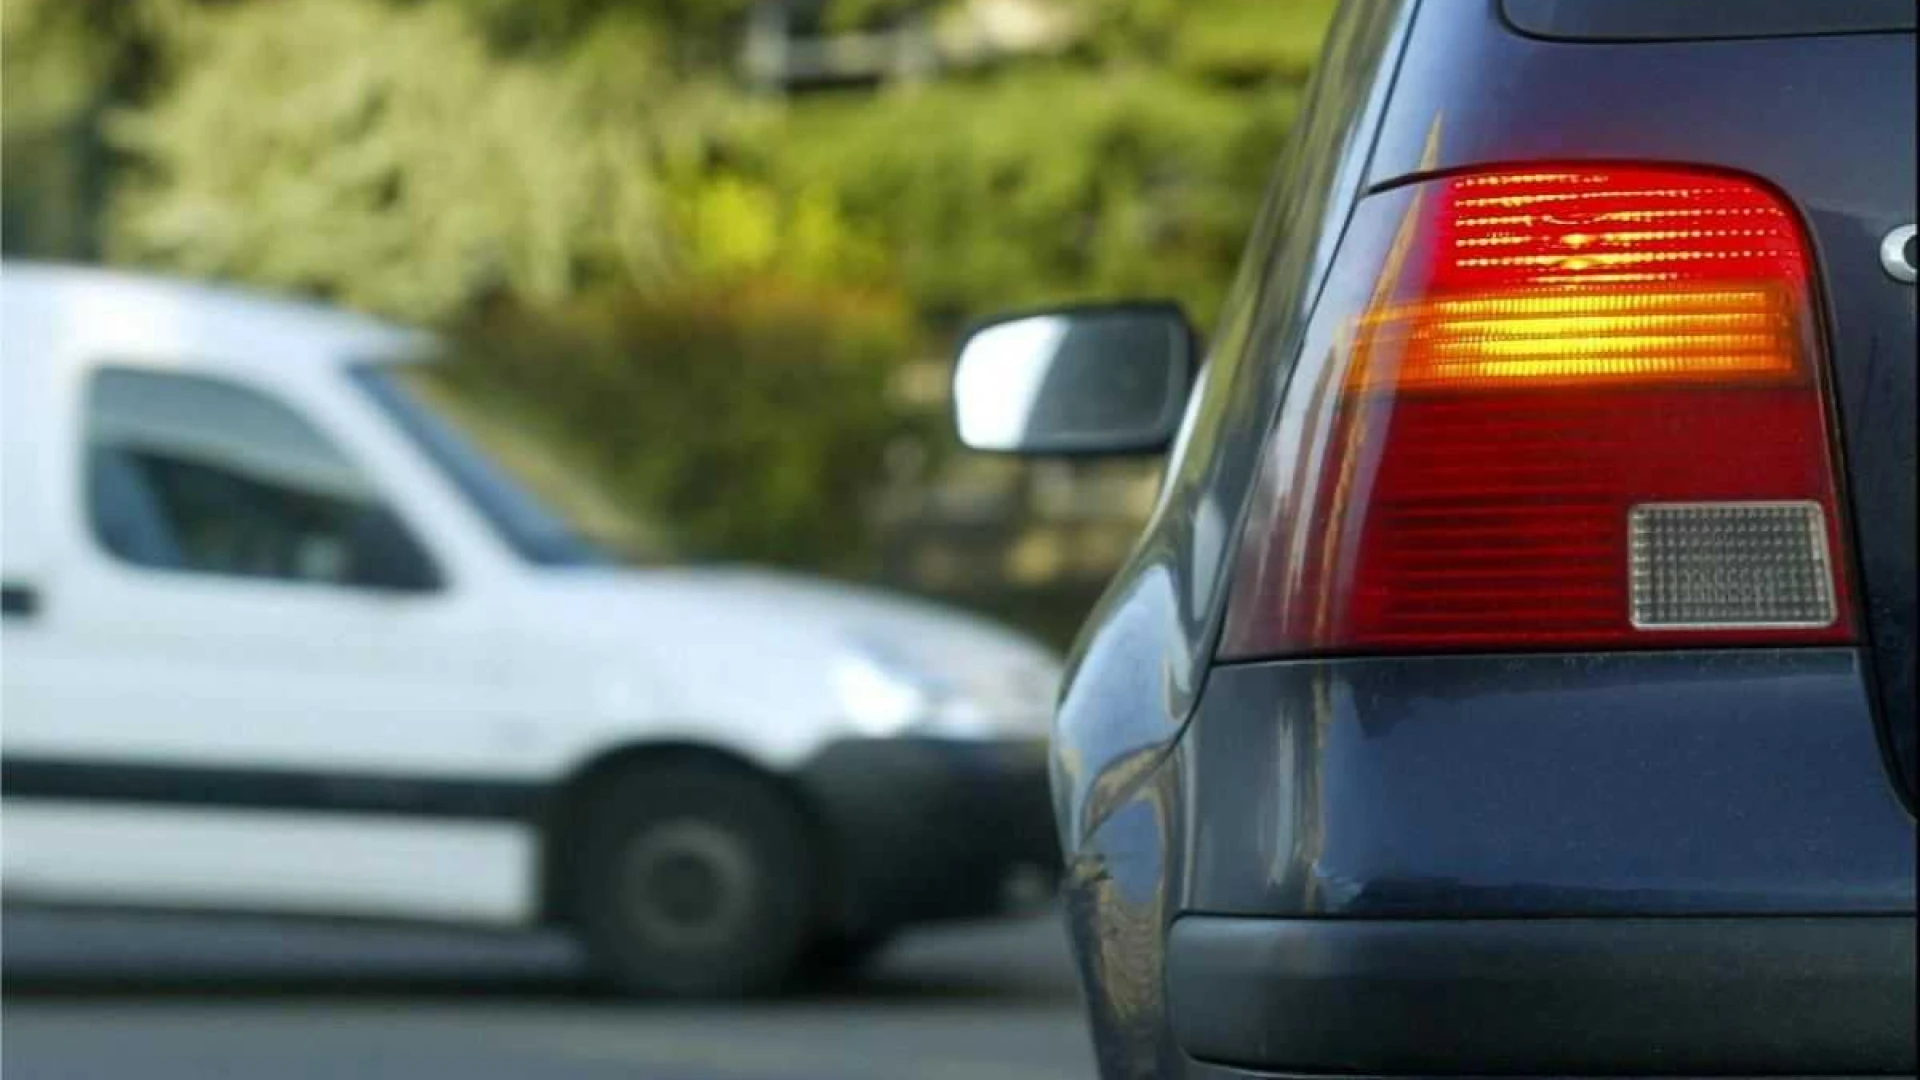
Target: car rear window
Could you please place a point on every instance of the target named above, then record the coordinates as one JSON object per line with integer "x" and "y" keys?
{"x": 1694, "y": 20}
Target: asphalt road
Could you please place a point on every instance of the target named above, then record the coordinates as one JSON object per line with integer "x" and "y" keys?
{"x": 162, "y": 998}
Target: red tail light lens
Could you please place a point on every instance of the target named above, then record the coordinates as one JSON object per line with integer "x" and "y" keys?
{"x": 1578, "y": 407}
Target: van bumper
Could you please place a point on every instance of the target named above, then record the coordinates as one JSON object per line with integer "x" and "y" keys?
{"x": 922, "y": 830}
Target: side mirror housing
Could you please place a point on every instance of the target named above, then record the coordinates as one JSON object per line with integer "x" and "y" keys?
{"x": 1104, "y": 379}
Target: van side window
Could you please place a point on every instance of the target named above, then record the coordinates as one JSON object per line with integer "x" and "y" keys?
{"x": 196, "y": 474}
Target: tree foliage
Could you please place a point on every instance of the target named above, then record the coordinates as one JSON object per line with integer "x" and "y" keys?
{"x": 421, "y": 156}
{"x": 382, "y": 157}
{"x": 751, "y": 419}
{"x": 1043, "y": 185}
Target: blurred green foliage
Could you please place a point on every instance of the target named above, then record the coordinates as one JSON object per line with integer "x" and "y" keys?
{"x": 698, "y": 403}
{"x": 385, "y": 158}
{"x": 1042, "y": 184}
{"x": 711, "y": 290}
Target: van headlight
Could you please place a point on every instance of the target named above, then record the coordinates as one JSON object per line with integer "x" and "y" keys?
{"x": 885, "y": 697}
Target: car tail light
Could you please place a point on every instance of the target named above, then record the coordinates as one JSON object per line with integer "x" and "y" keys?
{"x": 1556, "y": 407}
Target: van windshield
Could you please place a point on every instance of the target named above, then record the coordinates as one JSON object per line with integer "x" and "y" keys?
{"x": 409, "y": 394}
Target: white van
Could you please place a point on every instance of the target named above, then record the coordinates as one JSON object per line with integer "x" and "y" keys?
{"x": 279, "y": 638}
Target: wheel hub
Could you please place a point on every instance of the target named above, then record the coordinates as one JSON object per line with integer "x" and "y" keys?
{"x": 688, "y": 883}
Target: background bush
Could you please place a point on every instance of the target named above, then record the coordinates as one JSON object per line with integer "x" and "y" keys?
{"x": 749, "y": 421}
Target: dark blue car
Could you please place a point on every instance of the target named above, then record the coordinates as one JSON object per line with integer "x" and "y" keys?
{"x": 1516, "y": 676}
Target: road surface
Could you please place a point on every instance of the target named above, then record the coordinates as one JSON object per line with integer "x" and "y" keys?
{"x": 164, "y": 998}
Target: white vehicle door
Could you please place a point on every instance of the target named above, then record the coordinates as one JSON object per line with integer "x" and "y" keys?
{"x": 246, "y": 681}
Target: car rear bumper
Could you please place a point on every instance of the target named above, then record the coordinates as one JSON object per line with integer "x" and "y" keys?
{"x": 1575, "y": 997}
{"x": 922, "y": 830}
{"x": 1648, "y": 863}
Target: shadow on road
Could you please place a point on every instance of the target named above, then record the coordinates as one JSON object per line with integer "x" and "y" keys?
{"x": 73, "y": 957}
{"x": 467, "y": 988}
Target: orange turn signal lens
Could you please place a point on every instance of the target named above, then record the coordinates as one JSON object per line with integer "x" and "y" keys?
{"x": 1622, "y": 276}
{"x": 1581, "y": 335}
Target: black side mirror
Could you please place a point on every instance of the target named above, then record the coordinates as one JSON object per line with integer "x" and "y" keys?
{"x": 385, "y": 555}
{"x": 1107, "y": 379}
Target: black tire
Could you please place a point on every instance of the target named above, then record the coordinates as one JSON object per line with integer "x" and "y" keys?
{"x": 693, "y": 879}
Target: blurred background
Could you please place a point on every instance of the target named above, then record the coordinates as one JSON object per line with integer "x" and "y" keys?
{"x": 709, "y": 256}
{"x": 703, "y": 262}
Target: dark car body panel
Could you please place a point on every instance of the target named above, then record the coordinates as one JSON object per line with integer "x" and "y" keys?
{"x": 1757, "y": 783}
{"x": 1736, "y": 782}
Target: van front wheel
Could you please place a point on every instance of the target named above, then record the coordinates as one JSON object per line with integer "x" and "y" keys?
{"x": 693, "y": 880}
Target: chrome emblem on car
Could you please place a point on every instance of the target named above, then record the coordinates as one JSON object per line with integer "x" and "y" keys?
{"x": 1897, "y": 254}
